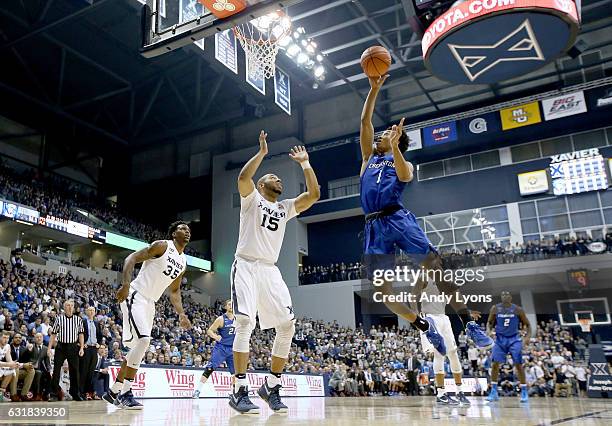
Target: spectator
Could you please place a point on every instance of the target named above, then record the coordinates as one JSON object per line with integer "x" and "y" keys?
{"x": 7, "y": 365}
{"x": 25, "y": 370}
{"x": 87, "y": 364}
{"x": 38, "y": 357}
{"x": 101, "y": 377}
{"x": 562, "y": 386}
{"x": 581, "y": 377}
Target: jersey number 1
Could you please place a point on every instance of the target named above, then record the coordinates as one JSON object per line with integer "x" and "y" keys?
{"x": 272, "y": 222}
{"x": 171, "y": 272}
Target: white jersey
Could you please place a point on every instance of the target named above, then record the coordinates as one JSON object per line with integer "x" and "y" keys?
{"x": 262, "y": 226}
{"x": 427, "y": 305}
{"x": 157, "y": 274}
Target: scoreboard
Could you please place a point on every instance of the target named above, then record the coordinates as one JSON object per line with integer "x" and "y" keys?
{"x": 578, "y": 172}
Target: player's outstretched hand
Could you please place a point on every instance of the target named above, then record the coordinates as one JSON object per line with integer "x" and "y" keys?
{"x": 122, "y": 294}
{"x": 396, "y": 133}
{"x": 263, "y": 143}
{"x": 377, "y": 82}
{"x": 184, "y": 321}
{"x": 298, "y": 154}
{"x": 475, "y": 315}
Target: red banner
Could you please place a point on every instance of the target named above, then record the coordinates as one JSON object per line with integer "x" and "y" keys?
{"x": 465, "y": 12}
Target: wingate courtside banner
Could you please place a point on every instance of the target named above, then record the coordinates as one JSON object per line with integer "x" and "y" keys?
{"x": 521, "y": 115}
{"x": 160, "y": 382}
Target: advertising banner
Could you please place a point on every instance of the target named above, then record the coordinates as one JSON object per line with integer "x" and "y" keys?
{"x": 521, "y": 115}
{"x": 440, "y": 134}
{"x": 160, "y": 382}
{"x": 414, "y": 140}
{"x": 535, "y": 182}
{"x": 564, "y": 106}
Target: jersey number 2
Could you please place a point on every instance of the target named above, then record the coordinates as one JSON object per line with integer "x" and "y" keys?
{"x": 171, "y": 272}
{"x": 506, "y": 322}
{"x": 272, "y": 222}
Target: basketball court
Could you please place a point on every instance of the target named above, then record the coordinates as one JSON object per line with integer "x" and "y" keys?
{"x": 342, "y": 411}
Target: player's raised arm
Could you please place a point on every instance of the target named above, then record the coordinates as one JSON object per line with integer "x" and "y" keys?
{"x": 403, "y": 168}
{"x": 245, "y": 178}
{"x": 156, "y": 249}
{"x": 305, "y": 200}
{"x": 177, "y": 302}
{"x": 366, "y": 135}
{"x": 212, "y": 330}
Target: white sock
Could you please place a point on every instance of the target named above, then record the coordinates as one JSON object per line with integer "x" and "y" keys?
{"x": 273, "y": 380}
{"x": 200, "y": 386}
{"x": 117, "y": 387}
{"x": 459, "y": 387}
{"x": 441, "y": 391}
{"x": 241, "y": 382}
{"x": 127, "y": 385}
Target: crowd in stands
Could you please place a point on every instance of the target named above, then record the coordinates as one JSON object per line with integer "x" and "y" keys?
{"x": 473, "y": 257}
{"x": 330, "y": 273}
{"x": 357, "y": 361}
{"x": 51, "y": 195}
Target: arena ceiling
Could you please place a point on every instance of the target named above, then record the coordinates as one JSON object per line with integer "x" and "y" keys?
{"x": 73, "y": 65}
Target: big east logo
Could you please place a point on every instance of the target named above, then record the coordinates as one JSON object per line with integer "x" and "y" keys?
{"x": 565, "y": 104}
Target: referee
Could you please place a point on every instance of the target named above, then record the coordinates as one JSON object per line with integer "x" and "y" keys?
{"x": 67, "y": 331}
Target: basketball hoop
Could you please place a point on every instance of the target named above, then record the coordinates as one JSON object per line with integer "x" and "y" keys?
{"x": 585, "y": 324}
{"x": 259, "y": 38}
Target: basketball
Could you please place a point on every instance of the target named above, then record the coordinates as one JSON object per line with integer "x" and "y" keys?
{"x": 375, "y": 61}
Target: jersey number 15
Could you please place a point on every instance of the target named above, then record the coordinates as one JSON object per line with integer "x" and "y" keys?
{"x": 272, "y": 222}
{"x": 171, "y": 272}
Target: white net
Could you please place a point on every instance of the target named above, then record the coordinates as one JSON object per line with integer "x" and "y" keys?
{"x": 585, "y": 324}
{"x": 259, "y": 38}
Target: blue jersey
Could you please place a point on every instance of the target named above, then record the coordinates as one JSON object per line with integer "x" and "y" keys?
{"x": 506, "y": 320}
{"x": 380, "y": 186}
{"x": 227, "y": 332}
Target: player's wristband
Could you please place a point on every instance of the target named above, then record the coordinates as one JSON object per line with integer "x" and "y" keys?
{"x": 305, "y": 165}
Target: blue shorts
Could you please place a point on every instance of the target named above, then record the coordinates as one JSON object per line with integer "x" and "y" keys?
{"x": 400, "y": 229}
{"x": 221, "y": 354}
{"x": 508, "y": 345}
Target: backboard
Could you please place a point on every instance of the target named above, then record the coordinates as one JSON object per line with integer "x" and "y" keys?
{"x": 594, "y": 308}
{"x": 168, "y": 25}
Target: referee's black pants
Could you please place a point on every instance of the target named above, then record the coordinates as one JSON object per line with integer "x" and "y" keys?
{"x": 70, "y": 352}
{"x": 87, "y": 367}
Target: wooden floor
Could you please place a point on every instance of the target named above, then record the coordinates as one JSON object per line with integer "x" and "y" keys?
{"x": 335, "y": 411}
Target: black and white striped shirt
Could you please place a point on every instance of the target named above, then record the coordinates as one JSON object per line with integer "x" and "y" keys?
{"x": 68, "y": 328}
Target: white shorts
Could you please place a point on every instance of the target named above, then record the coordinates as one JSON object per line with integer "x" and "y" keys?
{"x": 138, "y": 315}
{"x": 5, "y": 371}
{"x": 443, "y": 325}
{"x": 258, "y": 289}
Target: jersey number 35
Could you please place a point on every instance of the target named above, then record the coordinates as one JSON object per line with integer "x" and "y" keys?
{"x": 171, "y": 272}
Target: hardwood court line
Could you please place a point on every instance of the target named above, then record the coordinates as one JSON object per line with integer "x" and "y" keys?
{"x": 567, "y": 419}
